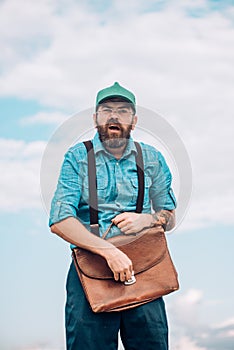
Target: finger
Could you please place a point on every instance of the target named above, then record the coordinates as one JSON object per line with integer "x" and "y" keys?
{"x": 115, "y": 221}
{"x": 129, "y": 271}
{"x": 119, "y": 218}
{"x": 127, "y": 228}
{"x": 116, "y": 276}
{"x": 123, "y": 224}
{"x": 122, "y": 276}
{"x": 128, "y": 275}
{"x": 128, "y": 231}
{"x": 124, "y": 229}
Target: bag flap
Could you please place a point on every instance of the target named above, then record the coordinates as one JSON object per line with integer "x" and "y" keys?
{"x": 145, "y": 250}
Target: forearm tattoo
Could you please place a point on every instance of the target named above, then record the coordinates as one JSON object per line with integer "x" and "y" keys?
{"x": 166, "y": 218}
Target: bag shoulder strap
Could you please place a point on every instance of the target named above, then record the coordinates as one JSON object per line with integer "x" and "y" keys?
{"x": 93, "y": 201}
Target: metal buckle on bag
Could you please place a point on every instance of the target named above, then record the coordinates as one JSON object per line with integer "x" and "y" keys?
{"x": 132, "y": 280}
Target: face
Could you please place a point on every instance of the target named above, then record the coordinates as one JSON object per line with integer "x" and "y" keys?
{"x": 114, "y": 122}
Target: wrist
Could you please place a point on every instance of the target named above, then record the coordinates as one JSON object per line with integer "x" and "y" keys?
{"x": 157, "y": 220}
{"x": 108, "y": 253}
{"x": 149, "y": 220}
{"x": 164, "y": 218}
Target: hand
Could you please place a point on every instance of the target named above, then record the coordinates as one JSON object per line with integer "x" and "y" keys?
{"x": 119, "y": 263}
{"x": 132, "y": 222}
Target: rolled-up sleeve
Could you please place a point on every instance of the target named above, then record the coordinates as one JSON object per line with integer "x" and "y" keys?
{"x": 161, "y": 193}
{"x": 67, "y": 195}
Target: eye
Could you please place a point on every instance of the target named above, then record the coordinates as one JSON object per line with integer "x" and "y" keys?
{"x": 123, "y": 111}
{"x": 107, "y": 111}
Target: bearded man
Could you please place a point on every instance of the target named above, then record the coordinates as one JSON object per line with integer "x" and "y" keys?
{"x": 143, "y": 327}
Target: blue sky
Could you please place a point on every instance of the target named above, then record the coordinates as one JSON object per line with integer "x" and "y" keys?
{"x": 178, "y": 58}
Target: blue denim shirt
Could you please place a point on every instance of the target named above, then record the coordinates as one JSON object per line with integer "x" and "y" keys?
{"x": 117, "y": 184}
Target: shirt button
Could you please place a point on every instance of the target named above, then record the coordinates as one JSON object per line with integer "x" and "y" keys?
{"x": 117, "y": 163}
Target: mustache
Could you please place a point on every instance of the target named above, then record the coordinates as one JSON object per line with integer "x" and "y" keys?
{"x": 113, "y": 121}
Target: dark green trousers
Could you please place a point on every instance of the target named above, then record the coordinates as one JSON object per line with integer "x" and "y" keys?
{"x": 143, "y": 327}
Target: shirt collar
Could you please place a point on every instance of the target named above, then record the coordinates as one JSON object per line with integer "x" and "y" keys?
{"x": 98, "y": 147}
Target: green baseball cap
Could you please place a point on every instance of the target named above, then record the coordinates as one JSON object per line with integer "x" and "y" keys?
{"x": 115, "y": 90}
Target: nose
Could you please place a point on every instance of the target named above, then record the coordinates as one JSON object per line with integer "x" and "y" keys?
{"x": 115, "y": 113}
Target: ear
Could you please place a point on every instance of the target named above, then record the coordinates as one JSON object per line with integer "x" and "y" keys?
{"x": 134, "y": 121}
{"x": 95, "y": 119}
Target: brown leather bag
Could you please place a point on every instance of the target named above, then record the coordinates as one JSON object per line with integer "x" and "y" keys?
{"x": 153, "y": 269}
{"x": 154, "y": 272}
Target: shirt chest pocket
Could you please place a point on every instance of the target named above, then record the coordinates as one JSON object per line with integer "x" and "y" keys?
{"x": 134, "y": 185}
{"x": 102, "y": 185}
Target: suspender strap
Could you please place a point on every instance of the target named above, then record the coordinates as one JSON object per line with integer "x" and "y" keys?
{"x": 93, "y": 201}
{"x": 141, "y": 178}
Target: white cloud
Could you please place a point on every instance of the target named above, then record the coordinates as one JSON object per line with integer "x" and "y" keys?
{"x": 24, "y": 33}
{"x": 60, "y": 53}
{"x": 19, "y": 174}
{"x": 173, "y": 61}
{"x": 189, "y": 327}
{"x": 226, "y": 323}
{"x": 39, "y": 347}
{"x": 45, "y": 118}
{"x": 185, "y": 343}
{"x": 191, "y": 297}
{"x": 86, "y": 50}
{"x": 185, "y": 311}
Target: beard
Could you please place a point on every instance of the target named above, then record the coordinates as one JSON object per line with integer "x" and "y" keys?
{"x": 114, "y": 139}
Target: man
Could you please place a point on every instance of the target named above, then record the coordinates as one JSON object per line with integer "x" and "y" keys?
{"x": 143, "y": 327}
